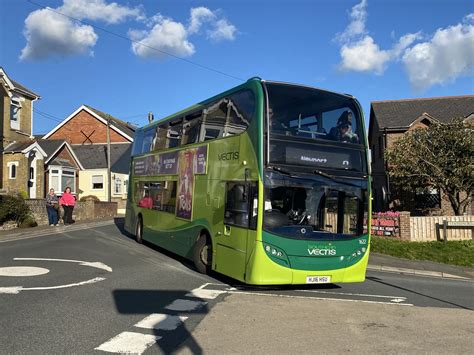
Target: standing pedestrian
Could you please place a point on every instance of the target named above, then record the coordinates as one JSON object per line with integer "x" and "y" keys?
{"x": 52, "y": 206}
{"x": 68, "y": 201}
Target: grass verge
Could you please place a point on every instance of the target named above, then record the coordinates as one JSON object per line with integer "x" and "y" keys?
{"x": 459, "y": 253}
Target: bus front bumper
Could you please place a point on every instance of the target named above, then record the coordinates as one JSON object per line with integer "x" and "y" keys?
{"x": 261, "y": 270}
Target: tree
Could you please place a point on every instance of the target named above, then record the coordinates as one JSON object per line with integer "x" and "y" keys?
{"x": 440, "y": 156}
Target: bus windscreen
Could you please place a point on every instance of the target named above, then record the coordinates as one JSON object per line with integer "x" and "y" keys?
{"x": 314, "y": 128}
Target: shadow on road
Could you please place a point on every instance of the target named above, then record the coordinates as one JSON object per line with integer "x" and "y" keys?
{"x": 146, "y": 302}
{"x": 376, "y": 279}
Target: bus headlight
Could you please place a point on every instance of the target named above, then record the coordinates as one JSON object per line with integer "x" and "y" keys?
{"x": 357, "y": 254}
{"x": 274, "y": 252}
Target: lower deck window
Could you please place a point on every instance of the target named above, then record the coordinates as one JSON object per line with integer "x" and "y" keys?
{"x": 241, "y": 205}
{"x": 158, "y": 195}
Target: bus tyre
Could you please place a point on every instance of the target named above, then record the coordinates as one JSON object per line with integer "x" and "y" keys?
{"x": 139, "y": 231}
{"x": 202, "y": 255}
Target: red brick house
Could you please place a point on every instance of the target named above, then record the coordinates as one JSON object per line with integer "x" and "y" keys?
{"x": 391, "y": 119}
{"x": 74, "y": 154}
{"x": 85, "y": 130}
{"x": 87, "y": 125}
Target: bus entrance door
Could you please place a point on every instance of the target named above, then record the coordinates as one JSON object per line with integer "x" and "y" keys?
{"x": 232, "y": 241}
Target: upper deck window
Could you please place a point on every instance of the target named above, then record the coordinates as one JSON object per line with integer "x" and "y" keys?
{"x": 225, "y": 117}
{"x": 310, "y": 113}
{"x": 311, "y": 128}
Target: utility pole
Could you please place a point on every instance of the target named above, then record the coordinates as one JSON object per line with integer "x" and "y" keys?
{"x": 109, "y": 174}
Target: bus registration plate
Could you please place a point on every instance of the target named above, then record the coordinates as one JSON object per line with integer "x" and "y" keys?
{"x": 318, "y": 279}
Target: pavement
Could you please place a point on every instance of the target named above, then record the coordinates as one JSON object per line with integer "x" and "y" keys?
{"x": 377, "y": 262}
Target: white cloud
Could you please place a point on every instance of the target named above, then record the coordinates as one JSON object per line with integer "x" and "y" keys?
{"x": 364, "y": 55}
{"x": 360, "y": 52}
{"x": 169, "y": 36}
{"x": 446, "y": 56}
{"x": 356, "y": 27}
{"x": 223, "y": 31}
{"x": 166, "y": 36}
{"x": 48, "y": 33}
{"x": 100, "y": 10}
{"x": 403, "y": 43}
{"x": 199, "y": 15}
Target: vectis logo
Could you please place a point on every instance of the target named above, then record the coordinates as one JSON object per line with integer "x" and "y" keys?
{"x": 322, "y": 250}
{"x": 229, "y": 156}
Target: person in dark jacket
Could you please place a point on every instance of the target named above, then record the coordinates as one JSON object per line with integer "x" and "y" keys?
{"x": 343, "y": 131}
{"x": 52, "y": 206}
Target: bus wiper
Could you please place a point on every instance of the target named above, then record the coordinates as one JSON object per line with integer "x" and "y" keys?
{"x": 332, "y": 177}
{"x": 280, "y": 170}
{"x": 326, "y": 175}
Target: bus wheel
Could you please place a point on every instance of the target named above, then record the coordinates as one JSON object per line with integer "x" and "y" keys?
{"x": 202, "y": 255}
{"x": 139, "y": 231}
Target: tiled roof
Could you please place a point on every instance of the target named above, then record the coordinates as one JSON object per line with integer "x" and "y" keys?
{"x": 22, "y": 88}
{"x": 17, "y": 147}
{"x": 401, "y": 113}
{"x": 123, "y": 126}
{"x": 50, "y": 146}
{"x": 94, "y": 156}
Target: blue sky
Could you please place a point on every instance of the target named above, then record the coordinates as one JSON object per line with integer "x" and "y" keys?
{"x": 374, "y": 50}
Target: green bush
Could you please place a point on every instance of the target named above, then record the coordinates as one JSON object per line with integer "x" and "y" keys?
{"x": 23, "y": 194}
{"x": 28, "y": 222}
{"x": 13, "y": 208}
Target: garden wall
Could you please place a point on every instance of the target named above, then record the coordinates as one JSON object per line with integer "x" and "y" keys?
{"x": 87, "y": 210}
{"x": 418, "y": 229}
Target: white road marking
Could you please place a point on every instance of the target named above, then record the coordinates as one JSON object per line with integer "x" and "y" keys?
{"x": 204, "y": 294}
{"x": 159, "y": 321}
{"x": 22, "y": 271}
{"x": 95, "y": 264}
{"x": 185, "y": 305}
{"x": 353, "y": 294}
{"x": 11, "y": 290}
{"x": 129, "y": 343}
{"x": 17, "y": 289}
{"x": 398, "y": 300}
{"x": 319, "y": 298}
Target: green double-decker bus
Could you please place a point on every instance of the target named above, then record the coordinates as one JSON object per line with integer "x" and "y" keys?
{"x": 267, "y": 183}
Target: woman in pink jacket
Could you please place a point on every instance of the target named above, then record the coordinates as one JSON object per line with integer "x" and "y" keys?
{"x": 68, "y": 201}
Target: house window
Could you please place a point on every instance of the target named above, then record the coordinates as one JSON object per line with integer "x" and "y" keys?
{"x": 118, "y": 186}
{"x": 97, "y": 182}
{"x": 15, "y": 108}
{"x": 68, "y": 179}
{"x": 12, "y": 167}
{"x": 60, "y": 178}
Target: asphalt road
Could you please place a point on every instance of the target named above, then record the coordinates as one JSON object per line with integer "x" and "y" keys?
{"x": 95, "y": 289}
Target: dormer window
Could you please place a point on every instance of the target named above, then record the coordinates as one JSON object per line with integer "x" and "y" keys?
{"x": 15, "y": 109}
